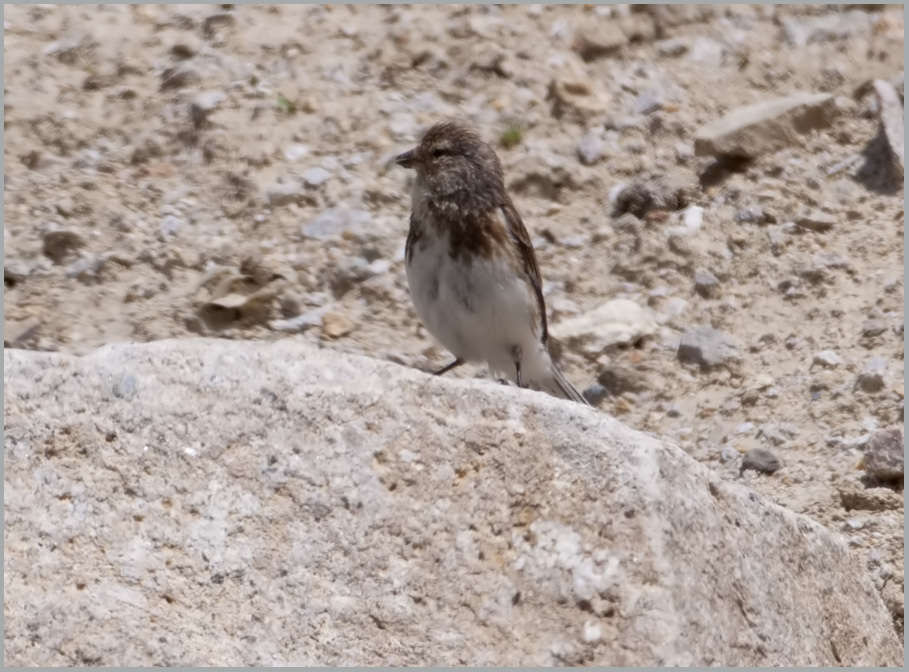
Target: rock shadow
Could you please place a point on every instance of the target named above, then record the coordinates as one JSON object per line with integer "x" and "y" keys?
{"x": 879, "y": 172}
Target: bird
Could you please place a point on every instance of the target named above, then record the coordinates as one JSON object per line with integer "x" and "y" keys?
{"x": 471, "y": 268}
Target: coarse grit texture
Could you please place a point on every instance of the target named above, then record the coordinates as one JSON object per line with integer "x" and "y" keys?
{"x": 215, "y": 502}
{"x": 714, "y": 193}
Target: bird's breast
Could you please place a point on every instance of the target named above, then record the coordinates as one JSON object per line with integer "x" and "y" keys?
{"x": 476, "y": 305}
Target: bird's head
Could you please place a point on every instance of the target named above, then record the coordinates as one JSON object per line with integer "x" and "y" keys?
{"x": 451, "y": 159}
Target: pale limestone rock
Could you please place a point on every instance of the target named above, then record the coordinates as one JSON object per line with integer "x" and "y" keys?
{"x": 253, "y": 504}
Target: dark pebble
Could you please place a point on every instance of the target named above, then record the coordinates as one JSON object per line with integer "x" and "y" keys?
{"x": 760, "y": 459}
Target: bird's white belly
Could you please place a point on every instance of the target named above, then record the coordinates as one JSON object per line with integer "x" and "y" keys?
{"x": 480, "y": 311}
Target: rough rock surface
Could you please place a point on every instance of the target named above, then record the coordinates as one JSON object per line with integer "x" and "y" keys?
{"x": 765, "y": 126}
{"x": 170, "y": 194}
{"x": 884, "y": 455}
{"x": 234, "y": 503}
{"x": 707, "y": 348}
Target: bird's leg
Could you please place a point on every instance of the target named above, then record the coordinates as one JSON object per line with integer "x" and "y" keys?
{"x": 445, "y": 369}
{"x": 516, "y": 354}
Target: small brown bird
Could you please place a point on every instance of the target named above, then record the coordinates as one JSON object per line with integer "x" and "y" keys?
{"x": 471, "y": 266}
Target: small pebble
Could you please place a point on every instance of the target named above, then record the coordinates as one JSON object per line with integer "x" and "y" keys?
{"x": 884, "y": 455}
{"x": 595, "y": 394}
{"x": 86, "y": 267}
{"x": 65, "y": 207}
{"x": 353, "y": 270}
{"x": 705, "y": 283}
{"x": 684, "y": 152}
{"x": 300, "y": 323}
{"x": 874, "y": 558}
{"x": 692, "y": 217}
{"x": 295, "y": 152}
{"x": 179, "y": 77}
{"x": 675, "y": 46}
{"x": 763, "y": 381}
{"x": 612, "y": 196}
{"x": 728, "y": 453}
{"x": 379, "y": 266}
{"x": 827, "y": 358}
{"x": 745, "y": 428}
{"x": 335, "y": 325}
{"x": 15, "y": 271}
{"x": 751, "y": 214}
{"x": 17, "y": 332}
{"x": 575, "y": 242}
{"x": 563, "y": 306}
{"x": 593, "y": 632}
{"x": 315, "y": 177}
{"x": 760, "y": 459}
{"x": 777, "y": 241}
{"x": 619, "y": 379}
{"x": 204, "y": 104}
{"x": 816, "y": 221}
{"x": 170, "y": 225}
{"x": 648, "y": 102}
{"x": 208, "y": 100}
{"x": 871, "y": 379}
{"x": 336, "y": 222}
{"x": 848, "y": 444}
{"x": 872, "y": 328}
{"x": 679, "y": 245}
{"x": 283, "y": 193}
{"x": 869, "y": 423}
{"x": 706, "y": 51}
{"x": 58, "y": 244}
{"x": 672, "y": 308}
{"x": 773, "y": 434}
{"x": 706, "y": 347}
{"x": 591, "y": 148}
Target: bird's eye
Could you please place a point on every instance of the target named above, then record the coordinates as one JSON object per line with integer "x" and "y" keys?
{"x": 439, "y": 151}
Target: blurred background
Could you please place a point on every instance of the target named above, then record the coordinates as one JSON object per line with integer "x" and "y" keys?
{"x": 177, "y": 171}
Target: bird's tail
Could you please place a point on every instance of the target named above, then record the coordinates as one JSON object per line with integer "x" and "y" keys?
{"x": 565, "y": 388}
{"x": 556, "y": 384}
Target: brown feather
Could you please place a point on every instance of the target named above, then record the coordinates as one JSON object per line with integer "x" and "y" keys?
{"x": 460, "y": 196}
{"x": 470, "y": 232}
{"x": 521, "y": 238}
{"x": 414, "y": 233}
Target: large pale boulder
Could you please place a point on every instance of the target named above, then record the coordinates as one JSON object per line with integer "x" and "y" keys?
{"x": 229, "y": 503}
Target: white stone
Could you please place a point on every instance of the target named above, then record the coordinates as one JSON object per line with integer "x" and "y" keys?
{"x": 302, "y": 527}
{"x": 614, "y": 322}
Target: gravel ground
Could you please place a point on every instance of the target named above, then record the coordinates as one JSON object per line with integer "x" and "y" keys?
{"x": 736, "y": 286}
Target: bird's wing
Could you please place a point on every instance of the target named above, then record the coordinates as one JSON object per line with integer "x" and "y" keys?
{"x": 413, "y": 235}
{"x": 518, "y": 234}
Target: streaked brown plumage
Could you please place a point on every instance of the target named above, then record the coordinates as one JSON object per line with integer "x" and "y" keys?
{"x": 471, "y": 266}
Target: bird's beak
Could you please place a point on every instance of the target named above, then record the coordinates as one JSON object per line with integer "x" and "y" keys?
{"x": 406, "y": 159}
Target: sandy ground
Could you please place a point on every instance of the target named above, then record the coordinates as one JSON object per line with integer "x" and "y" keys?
{"x": 181, "y": 170}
